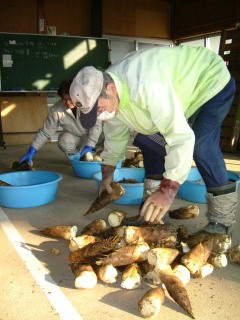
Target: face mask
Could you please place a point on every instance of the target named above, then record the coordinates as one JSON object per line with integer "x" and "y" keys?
{"x": 105, "y": 115}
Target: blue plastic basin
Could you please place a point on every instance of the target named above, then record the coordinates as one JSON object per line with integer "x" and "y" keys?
{"x": 29, "y": 188}
{"x": 86, "y": 169}
{"x": 134, "y": 191}
{"x": 194, "y": 189}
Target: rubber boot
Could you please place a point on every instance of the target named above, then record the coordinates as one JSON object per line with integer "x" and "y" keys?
{"x": 222, "y": 205}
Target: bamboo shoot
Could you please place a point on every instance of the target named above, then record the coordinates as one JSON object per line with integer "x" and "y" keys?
{"x": 60, "y": 232}
{"x": 131, "y": 277}
{"x": 85, "y": 277}
{"x": 151, "y": 302}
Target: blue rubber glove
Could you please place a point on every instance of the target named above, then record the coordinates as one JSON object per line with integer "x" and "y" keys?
{"x": 85, "y": 150}
{"x": 28, "y": 156}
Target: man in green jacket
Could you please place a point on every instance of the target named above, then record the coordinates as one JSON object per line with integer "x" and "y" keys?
{"x": 164, "y": 90}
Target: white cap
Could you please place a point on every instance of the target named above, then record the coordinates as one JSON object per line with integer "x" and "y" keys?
{"x": 86, "y": 88}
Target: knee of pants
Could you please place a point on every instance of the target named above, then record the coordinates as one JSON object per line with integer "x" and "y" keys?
{"x": 67, "y": 143}
{"x": 211, "y": 165}
{"x": 199, "y": 154}
{"x": 204, "y": 150}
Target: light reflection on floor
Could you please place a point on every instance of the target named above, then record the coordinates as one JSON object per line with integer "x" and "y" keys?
{"x": 232, "y": 162}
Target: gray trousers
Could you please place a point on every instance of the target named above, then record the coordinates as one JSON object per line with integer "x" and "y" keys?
{"x": 70, "y": 143}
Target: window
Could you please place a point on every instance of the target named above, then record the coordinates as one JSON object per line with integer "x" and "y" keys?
{"x": 210, "y": 42}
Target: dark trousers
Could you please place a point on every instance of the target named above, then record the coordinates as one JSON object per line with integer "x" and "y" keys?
{"x": 206, "y": 124}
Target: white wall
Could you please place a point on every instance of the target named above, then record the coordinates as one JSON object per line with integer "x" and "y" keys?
{"x": 121, "y": 46}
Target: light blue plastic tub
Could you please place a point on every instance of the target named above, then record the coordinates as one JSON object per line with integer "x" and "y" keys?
{"x": 134, "y": 191}
{"x": 86, "y": 169}
{"x": 194, "y": 189}
{"x": 30, "y": 188}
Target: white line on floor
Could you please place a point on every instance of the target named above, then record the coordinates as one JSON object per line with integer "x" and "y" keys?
{"x": 57, "y": 299}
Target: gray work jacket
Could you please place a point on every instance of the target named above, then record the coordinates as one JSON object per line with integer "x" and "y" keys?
{"x": 61, "y": 116}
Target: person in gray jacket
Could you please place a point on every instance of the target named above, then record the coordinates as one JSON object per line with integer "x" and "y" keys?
{"x": 74, "y": 138}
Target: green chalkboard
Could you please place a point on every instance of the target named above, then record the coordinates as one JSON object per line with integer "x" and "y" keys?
{"x": 41, "y": 62}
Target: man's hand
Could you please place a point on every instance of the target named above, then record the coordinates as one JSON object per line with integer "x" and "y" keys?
{"x": 107, "y": 178}
{"x": 156, "y": 205}
{"x": 85, "y": 150}
{"x": 28, "y": 156}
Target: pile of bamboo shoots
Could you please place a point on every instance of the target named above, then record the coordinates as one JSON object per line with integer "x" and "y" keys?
{"x": 91, "y": 157}
{"x": 135, "y": 161}
{"x": 167, "y": 259}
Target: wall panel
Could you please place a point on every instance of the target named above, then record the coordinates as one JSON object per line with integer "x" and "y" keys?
{"x": 22, "y": 16}
{"x": 18, "y": 16}
{"x": 22, "y": 117}
{"x": 196, "y": 17}
{"x": 137, "y": 18}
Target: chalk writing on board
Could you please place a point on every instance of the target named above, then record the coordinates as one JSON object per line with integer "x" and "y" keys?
{"x": 42, "y": 62}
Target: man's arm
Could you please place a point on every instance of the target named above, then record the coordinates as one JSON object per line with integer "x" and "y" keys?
{"x": 49, "y": 128}
{"x": 116, "y": 139}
